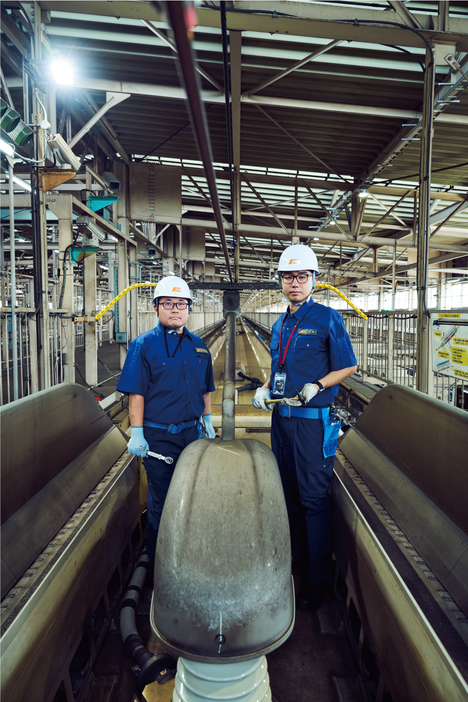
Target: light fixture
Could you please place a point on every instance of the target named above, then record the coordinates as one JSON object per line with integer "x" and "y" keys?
{"x": 316, "y": 238}
{"x": 19, "y": 181}
{"x": 6, "y": 148}
{"x": 363, "y": 193}
{"x": 62, "y": 72}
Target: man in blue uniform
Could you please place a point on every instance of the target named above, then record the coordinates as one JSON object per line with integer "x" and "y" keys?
{"x": 168, "y": 375}
{"x": 311, "y": 354}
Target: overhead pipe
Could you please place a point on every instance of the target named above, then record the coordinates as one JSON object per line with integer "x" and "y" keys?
{"x": 176, "y": 14}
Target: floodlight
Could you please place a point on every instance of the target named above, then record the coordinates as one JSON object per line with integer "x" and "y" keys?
{"x": 363, "y": 193}
{"x": 62, "y": 72}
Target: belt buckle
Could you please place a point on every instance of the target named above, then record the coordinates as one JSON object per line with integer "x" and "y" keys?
{"x": 169, "y": 428}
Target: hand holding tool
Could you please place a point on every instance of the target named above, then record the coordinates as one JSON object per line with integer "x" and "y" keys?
{"x": 166, "y": 459}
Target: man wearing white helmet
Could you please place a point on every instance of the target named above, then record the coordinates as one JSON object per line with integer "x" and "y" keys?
{"x": 168, "y": 375}
{"x": 311, "y": 354}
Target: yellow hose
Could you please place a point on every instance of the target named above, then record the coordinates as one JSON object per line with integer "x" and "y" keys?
{"x": 346, "y": 299}
{"x": 153, "y": 285}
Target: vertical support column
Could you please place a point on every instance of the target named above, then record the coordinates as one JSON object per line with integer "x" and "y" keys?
{"x": 62, "y": 208}
{"x": 90, "y": 306}
{"x": 235, "y": 51}
{"x": 14, "y": 330}
{"x": 394, "y": 277}
{"x": 231, "y": 303}
{"x": 365, "y": 348}
{"x": 391, "y": 347}
{"x": 122, "y": 278}
{"x": 132, "y": 257}
{"x": 423, "y": 328}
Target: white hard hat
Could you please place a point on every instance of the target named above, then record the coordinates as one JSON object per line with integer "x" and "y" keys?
{"x": 298, "y": 257}
{"x": 172, "y": 286}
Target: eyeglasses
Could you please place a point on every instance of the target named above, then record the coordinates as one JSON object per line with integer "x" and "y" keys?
{"x": 301, "y": 278}
{"x": 168, "y": 305}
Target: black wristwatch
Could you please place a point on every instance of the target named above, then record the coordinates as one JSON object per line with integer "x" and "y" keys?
{"x": 319, "y": 384}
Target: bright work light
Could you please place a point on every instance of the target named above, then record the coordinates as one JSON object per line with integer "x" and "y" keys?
{"x": 62, "y": 72}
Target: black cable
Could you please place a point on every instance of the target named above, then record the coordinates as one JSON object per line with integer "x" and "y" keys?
{"x": 410, "y": 53}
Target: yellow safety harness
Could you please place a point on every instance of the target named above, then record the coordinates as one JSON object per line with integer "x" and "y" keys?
{"x": 153, "y": 285}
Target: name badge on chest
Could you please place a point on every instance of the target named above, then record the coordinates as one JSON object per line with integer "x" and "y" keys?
{"x": 279, "y": 383}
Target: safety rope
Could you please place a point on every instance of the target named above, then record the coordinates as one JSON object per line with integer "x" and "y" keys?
{"x": 153, "y": 285}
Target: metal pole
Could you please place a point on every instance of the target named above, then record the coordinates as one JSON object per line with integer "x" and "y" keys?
{"x": 14, "y": 330}
{"x": 423, "y": 328}
{"x": 229, "y": 375}
{"x": 175, "y": 11}
{"x": 231, "y": 302}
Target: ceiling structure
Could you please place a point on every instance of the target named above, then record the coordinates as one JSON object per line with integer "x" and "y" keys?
{"x": 326, "y": 100}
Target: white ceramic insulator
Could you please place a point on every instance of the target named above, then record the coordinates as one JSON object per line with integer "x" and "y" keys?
{"x": 199, "y": 682}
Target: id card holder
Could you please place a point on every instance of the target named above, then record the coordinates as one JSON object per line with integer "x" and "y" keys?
{"x": 279, "y": 383}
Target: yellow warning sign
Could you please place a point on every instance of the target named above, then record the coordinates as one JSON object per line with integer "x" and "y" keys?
{"x": 449, "y": 343}
{"x": 459, "y": 356}
{"x": 460, "y": 373}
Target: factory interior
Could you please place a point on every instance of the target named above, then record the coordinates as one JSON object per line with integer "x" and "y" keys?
{"x": 145, "y": 139}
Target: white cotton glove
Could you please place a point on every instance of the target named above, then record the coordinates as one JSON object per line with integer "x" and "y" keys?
{"x": 209, "y": 432}
{"x": 309, "y": 391}
{"x": 261, "y": 395}
{"x": 138, "y": 444}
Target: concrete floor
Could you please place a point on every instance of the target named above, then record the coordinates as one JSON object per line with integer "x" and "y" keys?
{"x": 316, "y": 664}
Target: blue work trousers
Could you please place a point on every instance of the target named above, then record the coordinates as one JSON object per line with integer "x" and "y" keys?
{"x": 159, "y": 475}
{"x": 306, "y": 476}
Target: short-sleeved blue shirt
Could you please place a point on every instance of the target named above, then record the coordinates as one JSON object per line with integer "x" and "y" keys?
{"x": 173, "y": 387}
{"x": 319, "y": 344}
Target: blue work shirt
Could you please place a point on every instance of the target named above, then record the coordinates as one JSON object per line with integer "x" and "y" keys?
{"x": 319, "y": 344}
{"x": 173, "y": 387}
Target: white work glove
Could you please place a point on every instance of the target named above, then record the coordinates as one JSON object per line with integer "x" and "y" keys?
{"x": 209, "y": 432}
{"x": 309, "y": 391}
{"x": 138, "y": 444}
{"x": 261, "y": 395}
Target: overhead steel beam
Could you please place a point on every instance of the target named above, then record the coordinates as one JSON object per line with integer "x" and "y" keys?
{"x": 404, "y": 14}
{"x": 456, "y": 84}
{"x": 112, "y": 99}
{"x": 294, "y": 67}
{"x": 322, "y": 20}
{"x": 327, "y": 212}
{"x": 332, "y": 21}
{"x": 160, "y": 34}
{"x": 263, "y": 232}
{"x": 452, "y": 211}
{"x": 266, "y": 205}
{"x": 175, "y": 11}
{"x": 384, "y": 216}
{"x": 211, "y": 96}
